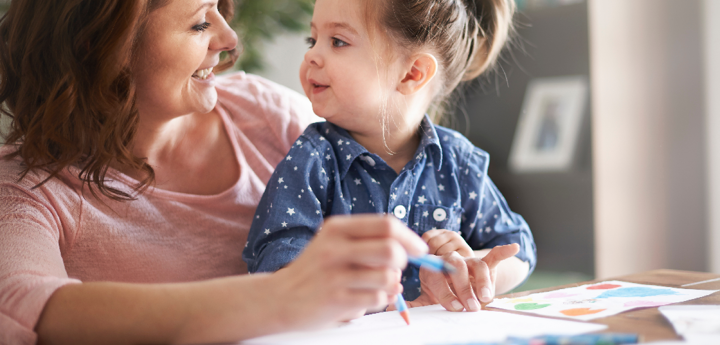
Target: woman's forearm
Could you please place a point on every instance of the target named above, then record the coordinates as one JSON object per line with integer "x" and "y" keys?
{"x": 510, "y": 272}
{"x": 219, "y": 310}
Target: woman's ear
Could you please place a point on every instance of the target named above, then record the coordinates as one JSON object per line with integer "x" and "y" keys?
{"x": 421, "y": 71}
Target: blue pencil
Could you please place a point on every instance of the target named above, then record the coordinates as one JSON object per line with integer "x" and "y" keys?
{"x": 432, "y": 262}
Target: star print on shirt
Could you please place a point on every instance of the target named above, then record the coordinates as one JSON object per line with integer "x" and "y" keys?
{"x": 291, "y": 211}
{"x": 425, "y": 213}
{"x": 473, "y": 195}
{"x": 284, "y": 225}
{"x": 441, "y": 187}
{"x": 422, "y": 199}
{"x": 358, "y": 182}
{"x": 393, "y": 196}
{"x": 267, "y": 231}
{"x": 281, "y": 180}
{"x": 288, "y": 158}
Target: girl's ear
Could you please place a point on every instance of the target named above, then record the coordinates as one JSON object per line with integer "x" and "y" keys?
{"x": 421, "y": 71}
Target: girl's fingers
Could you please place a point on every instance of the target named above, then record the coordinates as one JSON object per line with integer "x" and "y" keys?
{"x": 435, "y": 283}
{"x": 440, "y": 238}
{"x": 458, "y": 246}
{"x": 431, "y": 233}
{"x": 484, "y": 285}
{"x": 461, "y": 282}
{"x": 500, "y": 253}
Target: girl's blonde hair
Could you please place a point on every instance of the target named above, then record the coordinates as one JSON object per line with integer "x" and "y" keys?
{"x": 466, "y": 36}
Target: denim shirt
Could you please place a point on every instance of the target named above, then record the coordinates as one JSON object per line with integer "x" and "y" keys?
{"x": 326, "y": 172}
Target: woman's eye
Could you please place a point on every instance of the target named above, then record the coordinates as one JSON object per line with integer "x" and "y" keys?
{"x": 310, "y": 42}
{"x": 338, "y": 43}
{"x": 201, "y": 27}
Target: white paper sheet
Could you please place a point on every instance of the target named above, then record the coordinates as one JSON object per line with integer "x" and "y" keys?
{"x": 587, "y": 302}
{"x": 694, "y": 320}
{"x": 433, "y": 325}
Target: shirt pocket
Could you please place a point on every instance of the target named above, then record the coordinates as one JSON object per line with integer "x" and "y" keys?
{"x": 428, "y": 217}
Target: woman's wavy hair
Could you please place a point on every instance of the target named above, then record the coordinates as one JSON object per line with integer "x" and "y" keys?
{"x": 66, "y": 84}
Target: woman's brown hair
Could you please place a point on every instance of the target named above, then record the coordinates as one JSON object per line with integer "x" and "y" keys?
{"x": 467, "y": 36}
{"x": 65, "y": 82}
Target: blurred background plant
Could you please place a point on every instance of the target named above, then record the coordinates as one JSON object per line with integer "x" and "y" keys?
{"x": 259, "y": 21}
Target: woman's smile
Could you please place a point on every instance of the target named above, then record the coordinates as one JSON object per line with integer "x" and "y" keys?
{"x": 204, "y": 74}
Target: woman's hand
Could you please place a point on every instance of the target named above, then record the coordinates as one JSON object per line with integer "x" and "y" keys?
{"x": 475, "y": 277}
{"x": 442, "y": 242}
{"x": 351, "y": 265}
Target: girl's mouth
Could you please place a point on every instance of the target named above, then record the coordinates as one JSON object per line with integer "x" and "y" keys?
{"x": 202, "y": 74}
{"x": 317, "y": 88}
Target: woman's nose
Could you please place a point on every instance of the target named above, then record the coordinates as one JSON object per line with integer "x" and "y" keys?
{"x": 225, "y": 37}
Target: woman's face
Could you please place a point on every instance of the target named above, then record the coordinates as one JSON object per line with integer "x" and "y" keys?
{"x": 181, "y": 44}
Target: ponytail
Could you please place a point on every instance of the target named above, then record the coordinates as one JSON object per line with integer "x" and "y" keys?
{"x": 466, "y": 36}
{"x": 493, "y": 22}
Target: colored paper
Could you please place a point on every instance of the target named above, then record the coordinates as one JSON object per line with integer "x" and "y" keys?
{"x": 433, "y": 325}
{"x": 594, "y": 301}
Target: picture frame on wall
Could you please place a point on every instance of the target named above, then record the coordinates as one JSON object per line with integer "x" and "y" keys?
{"x": 547, "y": 131}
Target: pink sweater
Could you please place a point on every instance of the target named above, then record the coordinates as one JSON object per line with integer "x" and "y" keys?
{"x": 53, "y": 235}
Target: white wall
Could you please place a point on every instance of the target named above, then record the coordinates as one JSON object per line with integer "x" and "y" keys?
{"x": 283, "y": 57}
{"x": 711, "y": 10}
{"x": 648, "y": 135}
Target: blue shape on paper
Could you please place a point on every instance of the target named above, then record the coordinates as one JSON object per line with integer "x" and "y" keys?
{"x": 636, "y": 292}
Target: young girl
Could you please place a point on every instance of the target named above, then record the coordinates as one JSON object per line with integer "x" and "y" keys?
{"x": 373, "y": 70}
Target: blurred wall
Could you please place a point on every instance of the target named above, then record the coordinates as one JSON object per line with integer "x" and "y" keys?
{"x": 711, "y": 11}
{"x": 648, "y": 135}
{"x": 558, "y": 206}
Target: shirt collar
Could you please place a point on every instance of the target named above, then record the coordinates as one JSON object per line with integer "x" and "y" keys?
{"x": 347, "y": 149}
{"x": 429, "y": 141}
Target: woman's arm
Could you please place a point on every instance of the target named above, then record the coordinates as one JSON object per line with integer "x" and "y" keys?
{"x": 350, "y": 266}
{"x": 117, "y": 313}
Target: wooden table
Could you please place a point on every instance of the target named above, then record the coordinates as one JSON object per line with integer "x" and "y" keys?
{"x": 648, "y": 322}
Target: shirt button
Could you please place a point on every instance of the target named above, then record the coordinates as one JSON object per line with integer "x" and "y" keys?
{"x": 399, "y": 211}
{"x": 439, "y": 215}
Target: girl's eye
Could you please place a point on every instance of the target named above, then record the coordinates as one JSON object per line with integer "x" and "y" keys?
{"x": 338, "y": 43}
{"x": 201, "y": 27}
{"x": 310, "y": 41}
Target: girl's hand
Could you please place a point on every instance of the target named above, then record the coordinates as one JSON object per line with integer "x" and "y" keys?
{"x": 350, "y": 266}
{"x": 475, "y": 277}
{"x": 442, "y": 242}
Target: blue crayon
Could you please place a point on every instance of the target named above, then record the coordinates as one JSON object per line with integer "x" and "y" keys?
{"x": 432, "y": 262}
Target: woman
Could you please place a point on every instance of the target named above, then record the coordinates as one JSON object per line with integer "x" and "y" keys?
{"x": 131, "y": 168}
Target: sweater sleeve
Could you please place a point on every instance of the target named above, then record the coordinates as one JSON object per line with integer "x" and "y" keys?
{"x": 31, "y": 265}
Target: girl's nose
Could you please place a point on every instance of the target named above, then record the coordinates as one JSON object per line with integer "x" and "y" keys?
{"x": 225, "y": 37}
{"x": 313, "y": 57}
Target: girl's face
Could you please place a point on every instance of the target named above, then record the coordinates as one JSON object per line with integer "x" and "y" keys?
{"x": 173, "y": 68}
{"x": 340, "y": 74}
